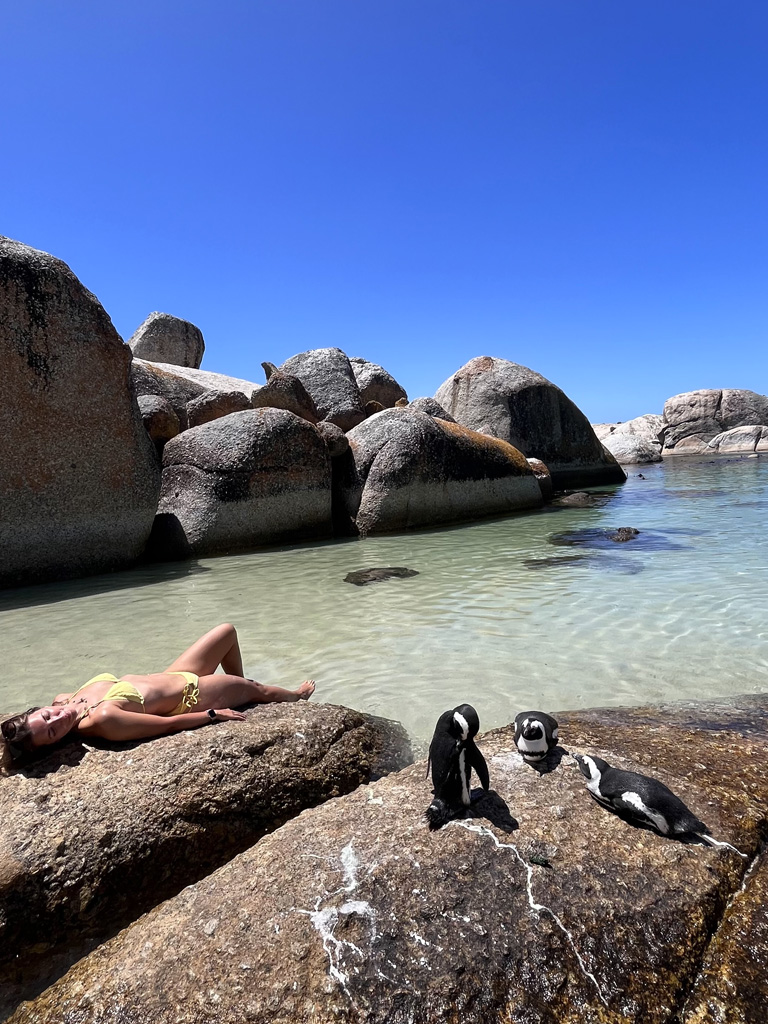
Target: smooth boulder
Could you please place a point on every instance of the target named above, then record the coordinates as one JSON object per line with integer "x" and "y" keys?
{"x": 649, "y": 426}
{"x": 414, "y": 470}
{"x": 632, "y": 449}
{"x": 251, "y": 478}
{"x": 163, "y": 338}
{"x": 741, "y": 439}
{"x": 539, "y": 906}
{"x": 183, "y": 384}
{"x": 516, "y": 404}
{"x": 79, "y": 477}
{"x": 284, "y": 391}
{"x": 101, "y": 835}
{"x": 376, "y": 384}
{"x": 327, "y": 375}
{"x": 431, "y": 408}
{"x": 693, "y": 418}
{"x": 212, "y": 405}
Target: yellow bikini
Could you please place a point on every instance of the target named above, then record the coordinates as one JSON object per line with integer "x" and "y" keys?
{"x": 127, "y": 691}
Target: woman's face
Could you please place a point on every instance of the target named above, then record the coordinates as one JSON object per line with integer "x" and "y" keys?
{"x": 48, "y": 725}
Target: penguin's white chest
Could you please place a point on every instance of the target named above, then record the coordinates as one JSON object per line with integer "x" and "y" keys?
{"x": 464, "y": 780}
{"x": 532, "y": 748}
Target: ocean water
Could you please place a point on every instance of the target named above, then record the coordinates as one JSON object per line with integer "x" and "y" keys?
{"x": 537, "y": 610}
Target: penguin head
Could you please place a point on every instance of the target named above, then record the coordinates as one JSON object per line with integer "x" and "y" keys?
{"x": 591, "y": 767}
{"x": 532, "y": 729}
{"x": 466, "y": 721}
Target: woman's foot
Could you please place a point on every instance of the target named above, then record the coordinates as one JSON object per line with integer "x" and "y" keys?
{"x": 305, "y": 691}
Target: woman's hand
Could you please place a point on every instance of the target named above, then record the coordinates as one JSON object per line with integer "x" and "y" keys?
{"x": 228, "y": 715}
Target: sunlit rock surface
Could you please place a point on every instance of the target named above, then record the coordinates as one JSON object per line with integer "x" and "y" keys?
{"x": 693, "y": 418}
{"x": 97, "y": 836}
{"x": 541, "y": 907}
{"x": 168, "y": 339}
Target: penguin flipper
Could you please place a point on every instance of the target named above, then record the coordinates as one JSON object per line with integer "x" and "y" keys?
{"x": 477, "y": 761}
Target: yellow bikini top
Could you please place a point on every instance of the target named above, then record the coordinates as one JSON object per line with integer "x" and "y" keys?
{"x": 120, "y": 691}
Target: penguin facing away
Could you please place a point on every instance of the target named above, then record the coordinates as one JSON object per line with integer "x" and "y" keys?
{"x": 642, "y": 798}
{"x": 535, "y": 735}
{"x": 452, "y": 756}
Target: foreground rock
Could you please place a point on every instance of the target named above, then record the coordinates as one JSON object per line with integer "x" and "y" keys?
{"x": 327, "y": 375}
{"x": 101, "y": 835}
{"x": 79, "y": 478}
{"x": 376, "y": 384}
{"x": 247, "y": 479}
{"x": 414, "y": 470}
{"x": 695, "y": 417}
{"x": 163, "y": 338}
{"x": 542, "y": 908}
{"x": 513, "y": 403}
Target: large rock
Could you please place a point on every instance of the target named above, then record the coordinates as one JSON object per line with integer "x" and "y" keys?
{"x": 741, "y": 439}
{"x": 327, "y": 375}
{"x": 101, "y": 835}
{"x": 542, "y": 907}
{"x": 632, "y": 449}
{"x": 250, "y": 478}
{"x": 415, "y": 470}
{"x": 284, "y": 391}
{"x": 695, "y": 417}
{"x": 159, "y": 419}
{"x": 181, "y": 384}
{"x": 513, "y": 403}
{"x": 79, "y": 477}
{"x": 212, "y": 405}
{"x": 376, "y": 384}
{"x": 163, "y": 338}
{"x": 648, "y": 426}
{"x": 431, "y": 408}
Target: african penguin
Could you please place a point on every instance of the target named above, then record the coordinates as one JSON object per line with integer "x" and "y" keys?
{"x": 452, "y": 756}
{"x": 535, "y": 734}
{"x": 646, "y": 800}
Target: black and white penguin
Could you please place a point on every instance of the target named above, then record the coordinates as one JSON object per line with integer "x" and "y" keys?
{"x": 535, "y": 734}
{"x": 452, "y": 756}
{"x": 646, "y": 800}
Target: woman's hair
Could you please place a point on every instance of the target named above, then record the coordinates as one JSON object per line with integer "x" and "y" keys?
{"x": 18, "y": 738}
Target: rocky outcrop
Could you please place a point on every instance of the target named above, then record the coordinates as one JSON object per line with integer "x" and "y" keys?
{"x": 513, "y": 403}
{"x": 376, "y": 384}
{"x": 163, "y": 338}
{"x": 415, "y": 470}
{"x": 181, "y": 385}
{"x": 327, "y": 375}
{"x": 741, "y": 439}
{"x": 159, "y": 419}
{"x": 212, "y": 405}
{"x": 695, "y": 417}
{"x": 632, "y": 449}
{"x": 649, "y": 427}
{"x": 431, "y": 408}
{"x": 79, "y": 478}
{"x": 541, "y": 906}
{"x": 284, "y": 391}
{"x": 250, "y": 478}
{"x": 101, "y": 835}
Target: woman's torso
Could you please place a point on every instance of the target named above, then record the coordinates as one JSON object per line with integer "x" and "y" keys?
{"x": 161, "y": 692}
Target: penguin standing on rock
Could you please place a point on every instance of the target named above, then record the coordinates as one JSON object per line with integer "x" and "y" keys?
{"x": 643, "y": 799}
{"x": 452, "y": 756}
{"x": 535, "y": 735}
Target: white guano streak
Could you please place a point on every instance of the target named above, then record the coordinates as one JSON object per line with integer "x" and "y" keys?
{"x": 537, "y": 908}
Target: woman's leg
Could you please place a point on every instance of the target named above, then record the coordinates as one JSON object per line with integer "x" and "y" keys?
{"x": 230, "y": 691}
{"x": 219, "y": 646}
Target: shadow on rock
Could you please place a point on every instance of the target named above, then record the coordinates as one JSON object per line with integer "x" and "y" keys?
{"x": 550, "y": 762}
{"x": 493, "y": 808}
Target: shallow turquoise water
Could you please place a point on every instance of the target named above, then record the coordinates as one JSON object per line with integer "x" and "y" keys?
{"x": 679, "y": 612}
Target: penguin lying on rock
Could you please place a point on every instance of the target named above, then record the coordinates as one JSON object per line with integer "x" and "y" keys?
{"x": 643, "y": 799}
{"x": 452, "y": 756}
{"x": 535, "y": 734}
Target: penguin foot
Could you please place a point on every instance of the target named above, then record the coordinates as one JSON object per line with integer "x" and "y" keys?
{"x": 438, "y": 814}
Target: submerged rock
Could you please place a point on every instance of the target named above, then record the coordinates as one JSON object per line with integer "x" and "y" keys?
{"x": 580, "y": 499}
{"x": 541, "y": 906}
{"x": 604, "y": 537}
{"x": 101, "y": 835}
{"x": 362, "y": 577}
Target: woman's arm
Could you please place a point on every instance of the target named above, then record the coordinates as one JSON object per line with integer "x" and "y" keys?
{"x": 116, "y": 724}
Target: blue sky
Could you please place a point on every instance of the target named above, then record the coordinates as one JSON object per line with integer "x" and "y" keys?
{"x": 576, "y": 185}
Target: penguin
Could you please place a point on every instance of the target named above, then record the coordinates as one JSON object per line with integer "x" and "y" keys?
{"x": 535, "y": 735}
{"x": 643, "y": 799}
{"x": 452, "y": 756}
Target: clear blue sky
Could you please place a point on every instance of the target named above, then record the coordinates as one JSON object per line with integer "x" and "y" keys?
{"x": 577, "y": 185}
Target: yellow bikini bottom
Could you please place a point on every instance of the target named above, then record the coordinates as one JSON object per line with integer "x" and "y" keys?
{"x": 190, "y": 694}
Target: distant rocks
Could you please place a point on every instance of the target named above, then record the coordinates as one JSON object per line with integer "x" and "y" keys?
{"x": 414, "y": 470}
{"x": 79, "y": 476}
{"x": 163, "y": 338}
{"x": 740, "y": 439}
{"x": 694, "y": 418}
{"x": 513, "y": 403}
{"x": 632, "y": 449}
